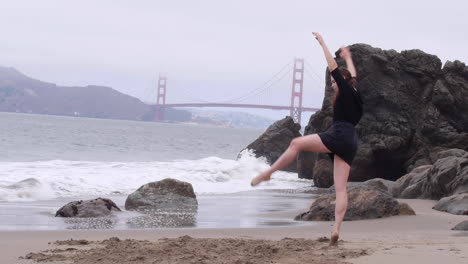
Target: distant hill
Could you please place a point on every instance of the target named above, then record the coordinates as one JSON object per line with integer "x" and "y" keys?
{"x": 22, "y": 94}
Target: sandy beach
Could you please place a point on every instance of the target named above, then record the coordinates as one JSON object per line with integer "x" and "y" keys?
{"x": 424, "y": 238}
{"x": 139, "y": 131}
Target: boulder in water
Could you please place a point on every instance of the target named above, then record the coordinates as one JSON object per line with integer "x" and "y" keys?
{"x": 168, "y": 195}
{"x": 89, "y": 208}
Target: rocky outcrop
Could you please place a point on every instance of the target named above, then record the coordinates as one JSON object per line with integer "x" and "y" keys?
{"x": 409, "y": 186}
{"x": 455, "y": 204}
{"x": 413, "y": 108}
{"x": 446, "y": 180}
{"x": 363, "y": 203}
{"x": 168, "y": 195}
{"x": 448, "y": 176}
{"x": 90, "y": 208}
{"x": 275, "y": 140}
{"x": 463, "y": 226}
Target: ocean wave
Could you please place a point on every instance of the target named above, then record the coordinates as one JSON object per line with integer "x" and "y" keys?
{"x": 27, "y": 181}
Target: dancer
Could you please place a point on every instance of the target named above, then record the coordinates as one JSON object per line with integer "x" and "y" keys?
{"x": 340, "y": 140}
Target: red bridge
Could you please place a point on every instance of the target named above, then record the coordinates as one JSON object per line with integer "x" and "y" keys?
{"x": 295, "y": 107}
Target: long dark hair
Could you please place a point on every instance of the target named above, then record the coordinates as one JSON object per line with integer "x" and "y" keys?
{"x": 347, "y": 76}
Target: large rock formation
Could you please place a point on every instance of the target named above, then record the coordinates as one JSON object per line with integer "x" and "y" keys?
{"x": 168, "y": 195}
{"x": 413, "y": 108}
{"x": 275, "y": 140}
{"x": 448, "y": 176}
{"x": 89, "y": 208}
{"x": 446, "y": 180}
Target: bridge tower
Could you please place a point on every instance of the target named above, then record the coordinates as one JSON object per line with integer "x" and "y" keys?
{"x": 161, "y": 100}
{"x": 297, "y": 88}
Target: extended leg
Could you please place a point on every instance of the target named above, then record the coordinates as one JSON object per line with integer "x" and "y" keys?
{"x": 306, "y": 143}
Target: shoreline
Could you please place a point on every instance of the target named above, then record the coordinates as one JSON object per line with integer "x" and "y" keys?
{"x": 246, "y": 209}
{"x": 423, "y": 238}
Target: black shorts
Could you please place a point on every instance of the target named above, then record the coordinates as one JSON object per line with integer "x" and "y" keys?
{"x": 341, "y": 140}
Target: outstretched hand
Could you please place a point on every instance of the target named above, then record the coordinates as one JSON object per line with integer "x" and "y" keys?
{"x": 345, "y": 53}
{"x": 330, "y": 60}
{"x": 318, "y": 37}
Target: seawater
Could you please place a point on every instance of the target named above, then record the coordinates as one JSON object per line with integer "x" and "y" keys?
{"x": 47, "y": 161}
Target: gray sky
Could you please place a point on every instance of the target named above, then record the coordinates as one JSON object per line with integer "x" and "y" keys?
{"x": 214, "y": 49}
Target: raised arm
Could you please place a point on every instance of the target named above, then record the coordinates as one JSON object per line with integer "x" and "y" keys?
{"x": 345, "y": 54}
{"x": 330, "y": 60}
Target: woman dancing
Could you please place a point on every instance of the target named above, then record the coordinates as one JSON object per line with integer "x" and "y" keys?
{"x": 340, "y": 140}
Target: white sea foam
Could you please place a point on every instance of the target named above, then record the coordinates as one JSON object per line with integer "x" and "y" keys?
{"x": 26, "y": 181}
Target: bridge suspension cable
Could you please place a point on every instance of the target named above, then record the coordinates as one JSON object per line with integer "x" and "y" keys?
{"x": 268, "y": 88}
{"x": 314, "y": 74}
{"x": 310, "y": 71}
{"x": 262, "y": 88}
{"x": 265, "y": 86}
{"x": 296, "y": 107}
{"x": 188, "y": 92}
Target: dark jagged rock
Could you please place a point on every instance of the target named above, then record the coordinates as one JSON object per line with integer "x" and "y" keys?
{"x": 463, "y": 226}
{"x": 363, "y": 203}
{"x": 448, "y": 176}
{"x": 409, "y": 186}
{"x": 168, "y": 195}
{"x": 455, "y": 204}
{"x": 412, "y": 108}
{"x": 89, "y": 208}
{"x": 275, "y": 140}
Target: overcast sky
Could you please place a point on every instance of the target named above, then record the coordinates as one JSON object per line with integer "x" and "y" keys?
{"x": 214, "y": 49}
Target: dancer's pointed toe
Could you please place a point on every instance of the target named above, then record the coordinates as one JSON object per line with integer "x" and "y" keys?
{"x": 260, "y": 178}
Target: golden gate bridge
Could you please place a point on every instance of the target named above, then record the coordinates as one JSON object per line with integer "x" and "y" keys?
{"x": 295, "y": 106}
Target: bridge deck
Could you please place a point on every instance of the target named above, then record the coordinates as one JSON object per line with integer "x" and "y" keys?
{"x": 273, "y": 107}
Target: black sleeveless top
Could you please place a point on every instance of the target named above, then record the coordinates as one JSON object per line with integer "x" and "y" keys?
{"x": 348, "y": 106}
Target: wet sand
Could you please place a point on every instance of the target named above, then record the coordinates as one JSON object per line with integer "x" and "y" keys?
{"x": 237, "y": 210}
{"x": 424, "y": 238}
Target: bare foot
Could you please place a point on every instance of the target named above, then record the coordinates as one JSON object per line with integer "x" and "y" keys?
{"x": 334, "y": 239}
{"x": 264, "y": 176}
